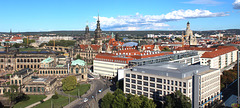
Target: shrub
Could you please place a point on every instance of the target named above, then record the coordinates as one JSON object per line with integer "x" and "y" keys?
{"x": 55, "y": 96}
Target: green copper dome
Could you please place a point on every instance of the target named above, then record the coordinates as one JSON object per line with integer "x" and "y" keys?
{"x": 78, "y": 62}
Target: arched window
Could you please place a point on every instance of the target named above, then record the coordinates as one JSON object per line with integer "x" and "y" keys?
{"x": 82, "y": 70}
{"x": 77, "y": 70}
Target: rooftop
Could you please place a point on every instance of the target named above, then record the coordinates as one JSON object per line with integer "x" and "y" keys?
{"x": 176, "y": 70}
{"x": 78, "y": 62}
{"x": 47, "y": 60}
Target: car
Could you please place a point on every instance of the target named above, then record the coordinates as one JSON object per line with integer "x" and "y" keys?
{"x": 85, "y": 100}
{"x": 99, "y": 91}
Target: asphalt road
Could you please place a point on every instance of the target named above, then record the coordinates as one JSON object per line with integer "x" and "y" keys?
{"x": 99, "y": 84}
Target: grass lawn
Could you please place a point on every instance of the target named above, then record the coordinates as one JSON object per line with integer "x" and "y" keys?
{"x": 57, "y": 103}
{"x": 33, "y": 99}
{"x": 83, "y": 88}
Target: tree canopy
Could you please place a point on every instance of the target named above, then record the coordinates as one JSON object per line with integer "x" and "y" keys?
{"x": 177, "y": 100}
{"x": 119, "y": 100}
{"x": 69, "y": 83}
{"x": 64, "y": 43}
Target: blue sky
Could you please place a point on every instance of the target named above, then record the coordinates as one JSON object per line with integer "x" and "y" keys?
{"x": 51, "y": 15}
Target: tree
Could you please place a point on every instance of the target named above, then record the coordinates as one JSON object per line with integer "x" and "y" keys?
{"x": 119, "y": 101}
{"x": 79, "y": 57}
{"x": 16, "y": 45}
{"x": 69, "y": 83}
{"x": 147, "y": 103}
{"x": 166, "y": 49}
{"x": 134, "y": 102}
{"x": 177, "y": 100}
{"x": 118, "y": 92}
{"x": 107, "y": 100}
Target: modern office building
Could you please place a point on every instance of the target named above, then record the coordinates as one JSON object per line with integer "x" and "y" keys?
{"x": 155, "y": 81}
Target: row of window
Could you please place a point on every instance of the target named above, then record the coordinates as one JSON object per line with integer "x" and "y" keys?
{"x": 4, "y": 90}
{"x": 170, "y": 88}
{"x": 53, "y": 72}
{"x": 155, "y": 94}
{"x": 34, "y": 89}
{"x": 16, "y": 82}
{"x": 28, "y": 66}
{"x": 152, "y": 79}
{"x": 29, "y": 60}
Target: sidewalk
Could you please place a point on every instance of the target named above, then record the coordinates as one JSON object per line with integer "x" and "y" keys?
{"x": 34, "y": 104}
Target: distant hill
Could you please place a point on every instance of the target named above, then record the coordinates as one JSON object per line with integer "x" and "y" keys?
{"x": 133, "y": 33}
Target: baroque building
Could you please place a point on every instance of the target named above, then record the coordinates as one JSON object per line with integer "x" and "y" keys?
{"x": 98, "y": 33}
{"x": 189, "y": 37}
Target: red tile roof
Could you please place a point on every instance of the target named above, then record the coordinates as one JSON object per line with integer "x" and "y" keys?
{"x": 220, "y": 51}
{"x": 113, "y": 58}
{"x": 16, "y": 38}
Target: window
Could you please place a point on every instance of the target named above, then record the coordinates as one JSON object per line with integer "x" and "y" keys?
{"x": 180, "y": 89}
{"x": 145, "y": 78}
{"x": 127, "y": 90}
{"x": 175, "y": 88}
{"x": 145, "y": 89}
{"x": 34, "y": 89}
{"x": 184, "y": 84}
{"x": 12, "y": 81}
{"x": 30, "y": 89}
{"x": 159, "y": 80}
{"x": 152, "y": 84}
{"x": 133, "y": 91}
{"x": 171, "y": 88}
{"x": 133, "y": 81}
{"x": 152, "y": 90}
{"x": 134, "y": 86}
{"x": 145, "y": 94}
{"x": 127, "y": 85}
{"x": 82, "y": 70}
{"x": 164, "y": 81}
{"x": 168, "y": 87}
{"x": 139, "y": 82}
{"x": 164, "y": 87}
{"x": 16, "y": 82}
{"x": 127, "y": 80}
{"x": 139, "y": 76}
{"x": 180, "y": 84}
{"x": 139, "y": 93}
{"x": 38, "y": 89}
{"x": 171, "y": 82}
{"x": 42, "y": 89}
{"x": 175, "y": 83}
{"x": 133, "y": 76}
{"x": 127, "y": 75}
{"x": 159, "y": 92}
{"x": 19, "y": 81}
{"x": 139, "y": 87}
{"x": 76, "y": 70}
{"x": 184, "y": 90}
{"x": 145, "y": 83}
{"x": 159, "y": 86}
{"x": 168, "y": 82}
{"x": 26, "y": 89}
{"x": 152, "y": 79}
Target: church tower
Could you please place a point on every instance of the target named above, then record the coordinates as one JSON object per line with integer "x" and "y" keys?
{"x": 87, "y": 33}
{"x": 189, "y": 36}
{"x": 98, "y": 33}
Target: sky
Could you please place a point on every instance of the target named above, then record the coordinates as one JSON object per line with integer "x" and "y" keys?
{"x": 127, "y": 15}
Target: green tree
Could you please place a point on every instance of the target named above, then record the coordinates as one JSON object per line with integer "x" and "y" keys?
{"x": 166, "y": 49}
{"x": 134, "y": 102}
{"x": 119, "y": 101}
{"x": 147, "y": 103}
{"x": 107, "y": 100}
{"x": 69, "y": 83}
{"x": 118, "y": 92}
{"x": 13, "y": 94}
{"x": 16, "y": 45}
{"x": 79, "y": 57}
{"x": 179, "y": 39}
{"x": 177, "y": 100}
{"x": 29, "y": 41}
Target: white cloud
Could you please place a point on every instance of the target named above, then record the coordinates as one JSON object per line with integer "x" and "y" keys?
{"x": 207, "y": 2}
{"x": 236, "y": 4}
{"x": 151, "y": 22}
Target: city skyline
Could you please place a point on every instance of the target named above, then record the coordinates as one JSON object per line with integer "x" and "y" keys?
{"x": 33, "y": 16}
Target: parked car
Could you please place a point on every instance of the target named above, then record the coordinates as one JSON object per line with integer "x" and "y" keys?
{"x": 99, "y": 91}
{"x": 85, "y": 100}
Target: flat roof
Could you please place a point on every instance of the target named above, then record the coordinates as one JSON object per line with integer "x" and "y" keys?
{"x": 168, "y": 69}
